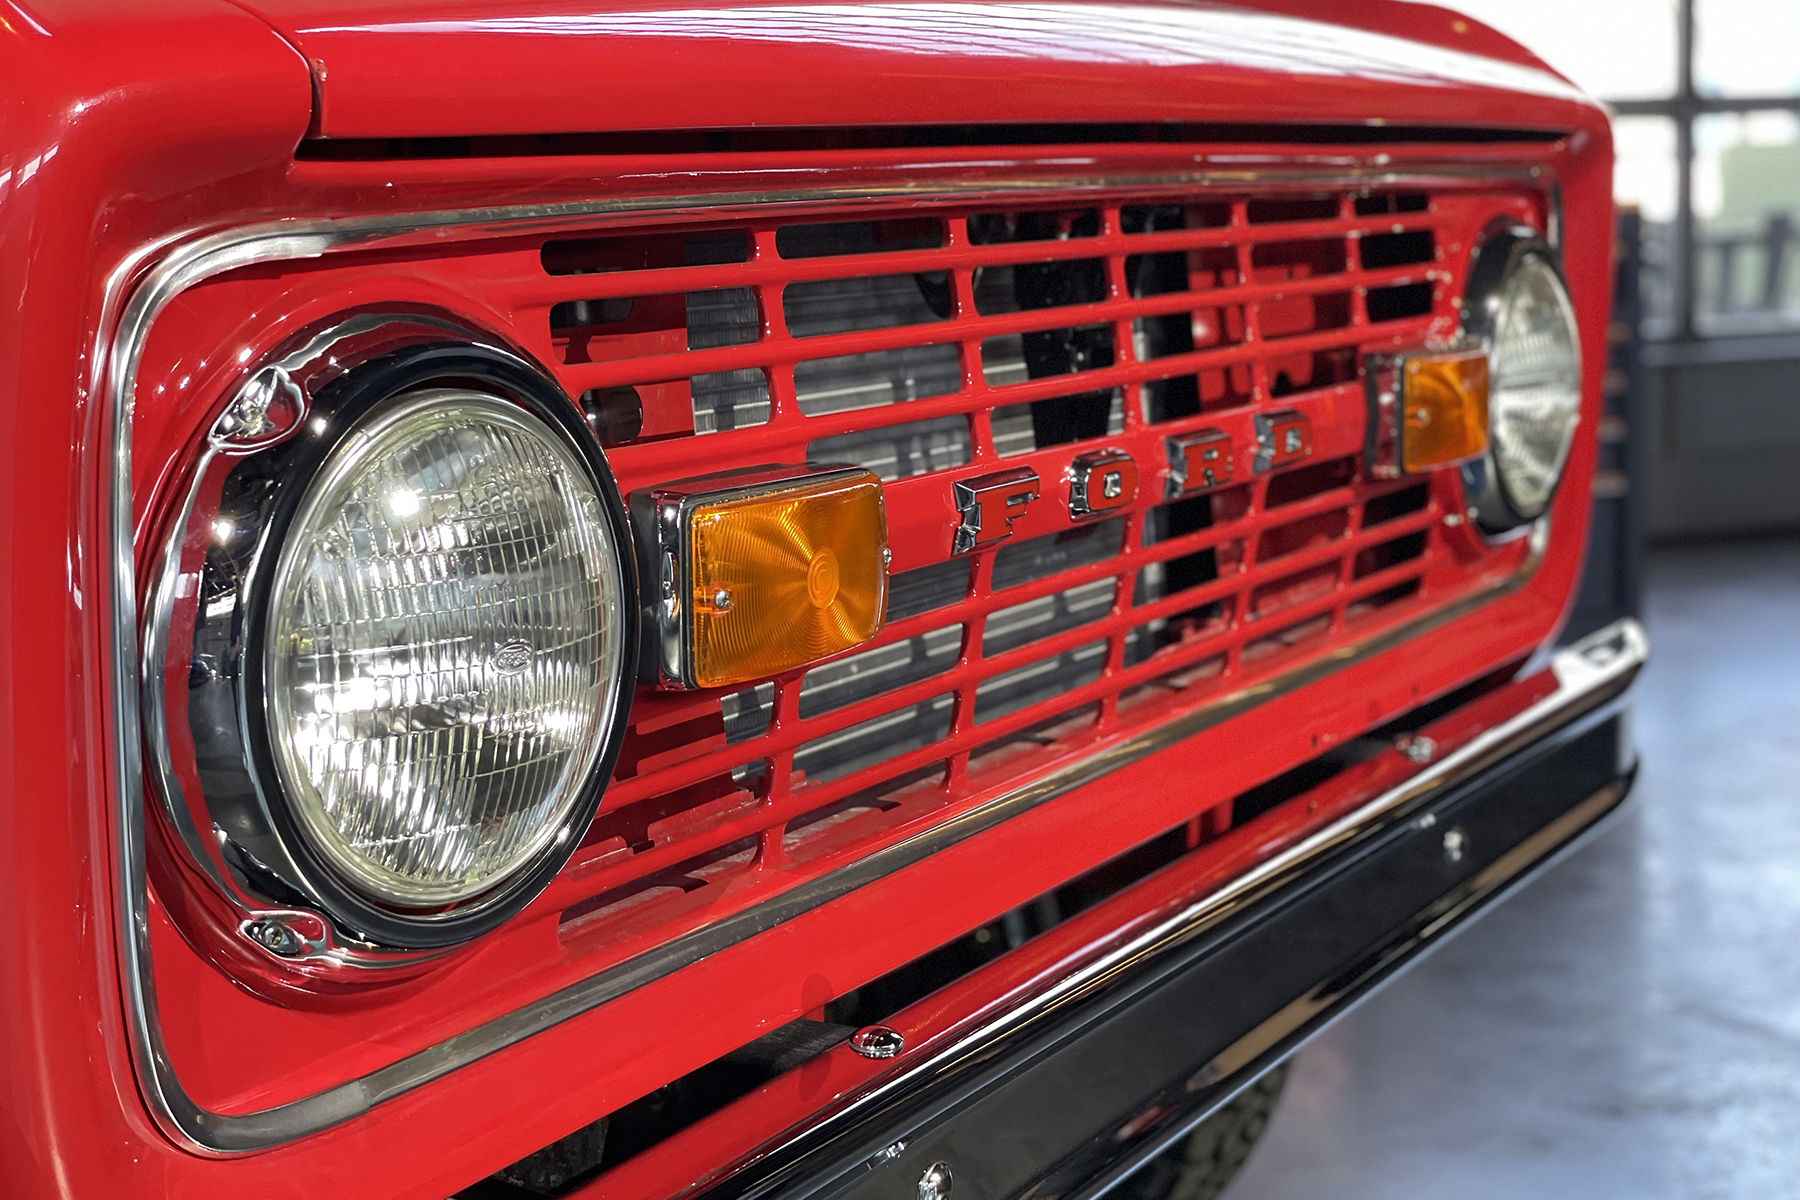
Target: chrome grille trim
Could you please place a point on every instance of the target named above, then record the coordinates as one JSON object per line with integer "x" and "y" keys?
{"x": 129, "y": 311}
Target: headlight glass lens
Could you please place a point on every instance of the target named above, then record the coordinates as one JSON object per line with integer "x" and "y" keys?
{"x": 1535, "y": 397}
{"x": 444, "y": 636}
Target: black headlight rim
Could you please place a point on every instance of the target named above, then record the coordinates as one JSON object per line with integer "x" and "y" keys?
{"x": 1498, "y": 254}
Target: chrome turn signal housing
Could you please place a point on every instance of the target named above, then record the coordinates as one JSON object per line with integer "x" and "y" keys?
{"x": 760, "y": 572}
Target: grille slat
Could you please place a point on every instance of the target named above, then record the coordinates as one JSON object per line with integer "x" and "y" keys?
{"x": 549, "y": 289}
{"x": 929, "y": 348}
{"x": 735, "y": 355}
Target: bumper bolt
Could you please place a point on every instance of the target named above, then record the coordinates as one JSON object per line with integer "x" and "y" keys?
{"x": 878, "y": 1041}
{"x": 935, "y": 1183}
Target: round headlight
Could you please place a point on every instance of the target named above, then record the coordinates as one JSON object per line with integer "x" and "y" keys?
{"x": 443, "y": 639}
{"x": 1520, "y": 306}
{"x": 390, "y": 649}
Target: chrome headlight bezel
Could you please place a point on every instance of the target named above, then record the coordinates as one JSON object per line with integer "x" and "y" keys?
{"x": 1495, "y": 266}
{"x": 210, "y": 748}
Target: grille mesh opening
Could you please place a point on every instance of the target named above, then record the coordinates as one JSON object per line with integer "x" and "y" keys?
{"x": 1048, "y": 225}
{"x": 617, "y": 327}
{"x": 1371, "y": 604}
{"x": 1035, "y": 620}
{"x": 1396, "y": 249}
{"x": 1289, "y": 638}
{"x": 877, "y": 378}
{"x": 1394, "y": 505}
{"x": 1294, "y": 590}
{"x": 883, "y": 669}
{"x": 1306, "y": 372}
{"x": 1023, "y": 562}
{"x": 875, "y": 741}
{"x": 1064, "y": 351}
{"x": 1303, "y": 483}
{"x": 1392, "y": 202}
{"x": 926, "y": 589}
{"x": 1276, "y": 262}
{"x": 1397, "y": 303}
{"x": 899, "y": 451}
{"x": 1023, "y": 428}
{"x": 1310, "y": 208}
{"x": 1308, "y": 533}
{"x": 830, "y": 239}
{"x": 644, "y": 252}
{"x": 1389, "y": 554}
{"x": 1030, "y": 286}
{"x": 839, "y": 818}
{"x": 1148, "y": 218}
{"x": 1004, "y": 694}
{"x": 823, "y": 306}
{"x": 722, "y": 400}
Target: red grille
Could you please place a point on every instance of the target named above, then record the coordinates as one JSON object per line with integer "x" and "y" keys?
{"x": 955, "y": 341}
{"x": 935, "y": 346}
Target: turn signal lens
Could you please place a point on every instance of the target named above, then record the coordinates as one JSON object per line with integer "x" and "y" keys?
{"x": 1444, "y": 409}
{"x": 785, "y": 576}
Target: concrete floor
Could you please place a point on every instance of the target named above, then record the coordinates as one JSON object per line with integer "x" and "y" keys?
{"x": 1629, "y": 1025}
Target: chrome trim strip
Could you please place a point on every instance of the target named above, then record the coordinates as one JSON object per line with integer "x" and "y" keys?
{"x": 190, "y": 264}
{"x": 1287, "y": 1031}
{"x": 1589, "y": 674}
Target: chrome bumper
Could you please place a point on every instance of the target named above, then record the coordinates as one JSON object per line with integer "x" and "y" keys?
{"x": 1077, "y": 1084}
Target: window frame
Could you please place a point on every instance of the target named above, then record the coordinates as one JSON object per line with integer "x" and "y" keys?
{"x": 1683, "y": 109}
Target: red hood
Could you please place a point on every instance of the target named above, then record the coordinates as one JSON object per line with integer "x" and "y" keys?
{"x": 437, "y": 68}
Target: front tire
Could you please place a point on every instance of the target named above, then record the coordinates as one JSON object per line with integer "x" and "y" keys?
{"x": 1199, "y": 1166}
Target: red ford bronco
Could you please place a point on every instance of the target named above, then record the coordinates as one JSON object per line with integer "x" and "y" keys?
{"x": 892, "y": 598}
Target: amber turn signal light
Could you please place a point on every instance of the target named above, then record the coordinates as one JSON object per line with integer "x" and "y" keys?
{"x": 1431, "y": 411}
{"x": 765, "y": 571}
{"x": 1443, "y": 409}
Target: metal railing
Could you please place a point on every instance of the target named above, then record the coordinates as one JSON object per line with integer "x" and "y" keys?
{"x": 1744, "y": 278}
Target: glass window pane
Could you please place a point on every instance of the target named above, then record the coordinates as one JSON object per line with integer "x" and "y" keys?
{"x": 1644, "y": 178}
{"x": 1644, "y": 174}
{"x": 1746, "y": 47}
{"x": 1746, "y": 191}
{"x": 1616, "y": 49}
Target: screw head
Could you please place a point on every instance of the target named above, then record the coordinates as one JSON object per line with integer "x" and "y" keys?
{"x": 936, "y": 1182}
{"x": 276, "y": 938}
{"x": 877, "y": 1041}
{"x": 1420, "y": 749}
{"x": 722, "y": 600}
{"x": 267, "y": 408}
